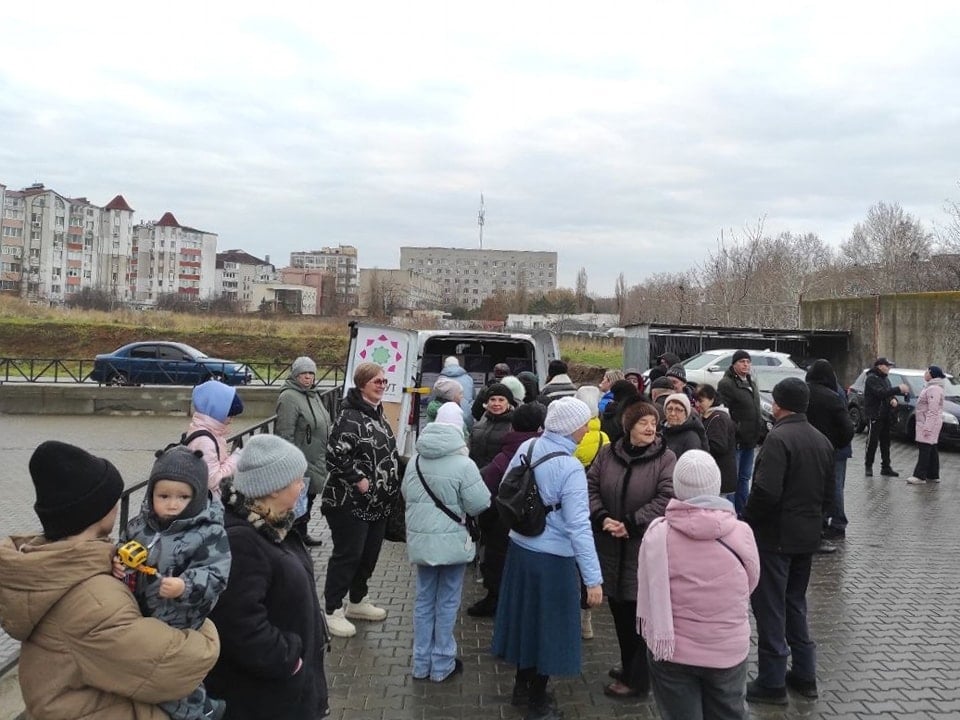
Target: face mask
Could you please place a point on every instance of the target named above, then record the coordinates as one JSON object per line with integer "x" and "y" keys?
{"x": 300, "y": 509}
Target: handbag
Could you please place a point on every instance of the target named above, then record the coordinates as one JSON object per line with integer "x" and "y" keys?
{"x": 468, "y": 522}
{"x": 396, "y": 527}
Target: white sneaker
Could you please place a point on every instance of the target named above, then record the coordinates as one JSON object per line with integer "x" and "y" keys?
{"x": 365, "y": 610}
{"x": 914, "y": 480}
{"x": 339, "y": 626}
{"x": 586, "y": 624}
{"x": 936, "y": 480}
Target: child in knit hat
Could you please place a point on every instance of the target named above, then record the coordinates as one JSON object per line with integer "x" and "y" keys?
{"x": 697, "y": 566}
{"x": 182, "y": 529}
{"x": 86, "y": 648}
{"x": 214, "y": 405}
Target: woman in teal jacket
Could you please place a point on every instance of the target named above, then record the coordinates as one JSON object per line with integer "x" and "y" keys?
{"x": 438, "y": 545}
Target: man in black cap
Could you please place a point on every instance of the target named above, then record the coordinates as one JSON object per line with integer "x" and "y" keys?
{"x": 792, "y": 492}
{"x": 879, "y": 405}
{"x": 739, "y": 392}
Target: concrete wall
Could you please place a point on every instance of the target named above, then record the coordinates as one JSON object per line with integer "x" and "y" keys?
{"x": 64, "y": 399}
{"x": 914, "y": 330}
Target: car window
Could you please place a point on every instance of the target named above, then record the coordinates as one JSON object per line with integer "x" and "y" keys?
{"x": 699, "y": 362}
{"x": 172, "y": 353}
{"x": 894, "y": 378}
{"x": 144, "y": 351}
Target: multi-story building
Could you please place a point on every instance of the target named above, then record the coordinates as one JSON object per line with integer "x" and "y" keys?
{"x": 237, "y": 271}
{"x": 394, "y": 291}
{"x": 342, "y": 262}
{"x": 172, "y": 258}
{"x": 468, "y": 276}
{"x": 54, "y": 246}
{"x": 324, "y": 283}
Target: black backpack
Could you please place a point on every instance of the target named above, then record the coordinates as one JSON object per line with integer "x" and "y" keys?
{"x": 187, "y": 439}
{"x": 518, "y": 499}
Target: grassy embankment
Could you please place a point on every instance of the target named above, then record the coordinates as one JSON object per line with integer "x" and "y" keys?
{"x": 268, "y": 344}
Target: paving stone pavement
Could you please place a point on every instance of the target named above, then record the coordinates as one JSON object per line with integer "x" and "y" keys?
{"x": 884, "y": 611}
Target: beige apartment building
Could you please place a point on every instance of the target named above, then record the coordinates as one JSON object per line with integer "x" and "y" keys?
{"x": 468, "y": 276}
{"x": 237, "y": 273}
{"x": 168, "y": 257}
{"x": 342, "y": 262}
{"x": 395, "y": 291}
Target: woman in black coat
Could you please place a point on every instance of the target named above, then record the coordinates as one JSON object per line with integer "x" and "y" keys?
{"x": 721, "y": 436}
{"x": 269, "y": 618}
{"x": 682, "y": 430}
{"x": 623, "y": 392}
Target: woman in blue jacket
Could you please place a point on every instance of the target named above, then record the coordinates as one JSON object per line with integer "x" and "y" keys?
{"x": 538, "y": 614}
{"x": 437, "y": 544}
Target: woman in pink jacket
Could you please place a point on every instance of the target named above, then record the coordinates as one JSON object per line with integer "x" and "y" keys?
{"x": 697, "y": 567}
{"x": 929, "y": 420}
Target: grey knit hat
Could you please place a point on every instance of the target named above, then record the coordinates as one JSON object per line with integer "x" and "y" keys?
{"x": 181, "y": 464}
{"x": 696, "y": 473}
{"x": 566, "y": 415}
{"x": 267, "y": 465}
{"x": 301, "y": 365}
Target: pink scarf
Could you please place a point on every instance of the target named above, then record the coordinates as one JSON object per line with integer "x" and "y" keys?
{"x": 654, "y": 609}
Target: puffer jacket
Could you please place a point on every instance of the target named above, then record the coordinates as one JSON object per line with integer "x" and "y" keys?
{"x": 87, "y": 651}
{"x": 591, "y": 443}
{"x": 304, "y": 421}
{"x": 221, "y": 463}
{"x": 722, "y": 438}
{"x": 929, "y": 412}
{"x": 742, "y": 398}
{"x": 689, "y": 435}
{"x": 710, "y": 582}
{"x": 362, "y": 446}
{"x": 633, "y": 489}
{"x": 433, "y": 538}
{"x": 194, "y": 549}
{"x": 486, "y": 436}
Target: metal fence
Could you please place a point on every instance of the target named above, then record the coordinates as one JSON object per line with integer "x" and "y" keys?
{"x": 68, "y": 370}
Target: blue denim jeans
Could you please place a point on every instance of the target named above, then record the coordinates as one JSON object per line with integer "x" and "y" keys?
{"x": 744, "y": 474}
{"x": 688, "y": 692}
{"x": 434, "y": 615}
{"x": 780, "y": 607}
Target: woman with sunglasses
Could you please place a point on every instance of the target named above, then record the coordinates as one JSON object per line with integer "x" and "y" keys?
{"x": 361, "y": 490}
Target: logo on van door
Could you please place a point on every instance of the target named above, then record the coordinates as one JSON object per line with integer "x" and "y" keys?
{"x": 376, "y": 345}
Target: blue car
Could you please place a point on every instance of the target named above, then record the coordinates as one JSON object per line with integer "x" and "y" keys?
{"x": 165, "y": 363}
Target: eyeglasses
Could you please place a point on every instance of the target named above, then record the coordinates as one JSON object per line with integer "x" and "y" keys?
{"x": 383, "y": 382}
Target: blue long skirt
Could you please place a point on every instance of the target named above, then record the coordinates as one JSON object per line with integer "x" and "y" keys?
{"x": 538, "y": 613}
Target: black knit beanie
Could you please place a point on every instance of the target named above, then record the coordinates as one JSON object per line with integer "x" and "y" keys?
{"x": 792, "y": 394}
{"x": 74, "y": 488}
{"x": 740, "y": 355}
{"x": 502, "y": 390}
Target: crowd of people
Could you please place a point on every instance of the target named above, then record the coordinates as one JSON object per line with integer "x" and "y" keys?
{"x": 659, "y": 500}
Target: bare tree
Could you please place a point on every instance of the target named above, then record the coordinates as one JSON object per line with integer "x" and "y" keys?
{"x": 886, "y": 245}
{"x": 727, "y": 274}
{"x": 581, "y": 290}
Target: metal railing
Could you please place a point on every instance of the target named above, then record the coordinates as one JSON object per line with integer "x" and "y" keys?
{"x": 69, "y": 370}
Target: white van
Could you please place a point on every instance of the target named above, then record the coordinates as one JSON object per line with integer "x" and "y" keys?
{"x": 412, "y": 361}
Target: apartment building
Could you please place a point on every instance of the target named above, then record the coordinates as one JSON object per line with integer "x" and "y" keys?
{"x": 468, "y": 276}
{"x": 168, "y": 257}
{"x": 52, "y": 246}
{"x": 394, "y": 291}
{"x": 342, "y": 262}
{"x": 237, "y": 272}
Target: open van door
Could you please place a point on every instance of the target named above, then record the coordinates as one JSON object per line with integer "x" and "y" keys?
{"x": 546, "y": 349}
{"x": 395, "y": 350}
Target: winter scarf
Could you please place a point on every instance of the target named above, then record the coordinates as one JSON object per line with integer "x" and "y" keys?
{"x": 272, "y": 526}
{"x": 654, "y": 608}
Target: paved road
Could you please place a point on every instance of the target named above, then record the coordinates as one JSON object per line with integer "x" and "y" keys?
{"x": 885, "y": 610}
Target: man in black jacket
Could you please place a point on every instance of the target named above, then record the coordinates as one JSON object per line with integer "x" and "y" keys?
{"x": 792, "y": 492}
{"x": 739, "y": 392}
{"x": 828, "y": 413}
{"x": 879, "y": 405}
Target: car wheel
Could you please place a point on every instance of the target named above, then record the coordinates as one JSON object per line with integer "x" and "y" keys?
{"x": 856, "y": 417}
{"x": 118, "y": 378}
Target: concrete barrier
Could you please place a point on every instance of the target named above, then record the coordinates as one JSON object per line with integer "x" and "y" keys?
{"x": 68, "y": 399}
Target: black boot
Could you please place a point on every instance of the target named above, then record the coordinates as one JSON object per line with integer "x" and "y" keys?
{"x": 487, "y": 607}
{"x": 888, "y": 471}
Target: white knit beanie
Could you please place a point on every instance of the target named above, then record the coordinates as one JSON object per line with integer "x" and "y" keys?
{"x": 516, "y": 387}
{"x": 566, "y": 415}
{"x": 451, "y": 361}
{"x": 679, "y": 398}
{"x": 267, "y": 465}
{"x": 450, "y": 414}
{"x": 590, "y": 394}
{"x": 696, "y": 473}
{"x": 301, "y": 365}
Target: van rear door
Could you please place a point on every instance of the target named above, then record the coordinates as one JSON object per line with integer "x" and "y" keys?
{"x": 395, "y": 350}
{"x": 546, "y": 349}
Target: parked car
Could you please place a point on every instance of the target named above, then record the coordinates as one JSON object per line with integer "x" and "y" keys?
{"x": 905, "y": 421}
{"x": 710, "y": 365}
{"x": 766, "y": 377}
{"x": 164, "y": 363}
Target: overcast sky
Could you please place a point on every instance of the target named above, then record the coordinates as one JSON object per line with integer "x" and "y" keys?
{"x": 624, "y": 136}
